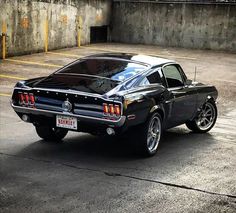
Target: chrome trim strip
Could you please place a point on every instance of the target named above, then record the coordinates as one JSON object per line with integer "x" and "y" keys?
{"x": 86, "y": 75}
{"x": 73, "y": 92}
{"x": 183, "y": 76}
{"x": 32, "y": 110}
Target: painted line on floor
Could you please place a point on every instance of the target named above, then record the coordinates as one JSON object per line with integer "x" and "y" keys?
{"x": 32, "y": 62}
{"x": 65, "y": 54}
{"x": 151, "y": 54}
{"x": 12, "y": 77}
{"x": 5, "y": 95}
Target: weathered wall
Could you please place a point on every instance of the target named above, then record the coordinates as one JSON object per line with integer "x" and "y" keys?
{"x": 25, "y": 21}
{"x": 208, "y": 26}
{"x": 211, "y": 26}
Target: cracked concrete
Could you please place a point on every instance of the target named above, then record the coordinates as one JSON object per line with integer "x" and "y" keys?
{"x": 111, "y": 174}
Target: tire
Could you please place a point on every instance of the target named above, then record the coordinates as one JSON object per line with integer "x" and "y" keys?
{"x": 51, "y": 133}
{"x": 149, "y": 137}
{"x": 205, "y": 120}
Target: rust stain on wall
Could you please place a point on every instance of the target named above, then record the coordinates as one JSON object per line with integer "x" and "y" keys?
{"x": 25, "y": 22}
{"x": 99, "y": 16}
{"x": 64, "y": 19}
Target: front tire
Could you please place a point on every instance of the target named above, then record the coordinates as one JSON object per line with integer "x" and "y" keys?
{"x": 150, "y": 135}
{"x": 205, "y": 119}
{"x": 51, "y": 133}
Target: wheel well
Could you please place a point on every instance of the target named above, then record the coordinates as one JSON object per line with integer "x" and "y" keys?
{"x": 160, "y": 112}
{"x": 210, "y": 98}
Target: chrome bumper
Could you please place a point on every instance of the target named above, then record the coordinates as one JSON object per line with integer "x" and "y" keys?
{"x": 113, "y": 123}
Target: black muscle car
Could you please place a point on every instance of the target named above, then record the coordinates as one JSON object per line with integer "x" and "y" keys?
{"x": 114, "y": 93}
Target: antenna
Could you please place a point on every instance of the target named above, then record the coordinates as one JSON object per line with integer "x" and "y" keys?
{"x": 195, "y": 74}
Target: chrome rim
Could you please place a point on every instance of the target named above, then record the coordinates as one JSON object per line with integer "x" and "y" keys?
{"x": 206, "y": 117}
{"x": 154, "y": 134}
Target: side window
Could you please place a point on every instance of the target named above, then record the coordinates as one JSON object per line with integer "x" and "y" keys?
{"x": 173, "y": 76}
{"x": 153, "y": 78}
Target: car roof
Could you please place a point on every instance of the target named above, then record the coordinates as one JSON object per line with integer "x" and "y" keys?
{"x": 145, "y": 59}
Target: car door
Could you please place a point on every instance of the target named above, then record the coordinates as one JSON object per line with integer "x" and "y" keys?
{"x": 182, "y": 97}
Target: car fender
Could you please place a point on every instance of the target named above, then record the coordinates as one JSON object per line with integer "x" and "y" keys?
{"x": 158, "y": 108}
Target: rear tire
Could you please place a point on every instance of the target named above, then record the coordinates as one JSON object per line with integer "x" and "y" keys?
{"x": 205, "y": 119}
{"x": 51, "y": 133}
{"x": 149, "y": 135}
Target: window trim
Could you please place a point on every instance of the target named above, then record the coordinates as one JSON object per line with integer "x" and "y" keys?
{"x": 183, "y": 77}
{"x": 150, "y": 72}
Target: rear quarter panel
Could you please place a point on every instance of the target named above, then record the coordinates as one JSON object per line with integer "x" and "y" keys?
{"x": 140, "y": 101}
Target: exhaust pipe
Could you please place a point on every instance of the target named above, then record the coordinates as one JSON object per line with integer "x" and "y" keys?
{"x": 110, "y": 131}
{"x": 25, "y": 118}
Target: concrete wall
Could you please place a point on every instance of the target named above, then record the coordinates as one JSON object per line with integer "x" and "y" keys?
{"x": 25, "y": 22}
{"x": 211, "y": 26}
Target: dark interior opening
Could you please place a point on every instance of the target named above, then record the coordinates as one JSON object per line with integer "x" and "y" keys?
{"x": 98, "y": 34}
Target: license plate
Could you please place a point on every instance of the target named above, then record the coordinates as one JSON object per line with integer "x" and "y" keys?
{"x": 66, "y": 122}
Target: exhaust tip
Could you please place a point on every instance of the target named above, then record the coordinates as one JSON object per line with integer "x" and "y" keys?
{"x": 110, "y": 131}
{"x": 25, "y": 118}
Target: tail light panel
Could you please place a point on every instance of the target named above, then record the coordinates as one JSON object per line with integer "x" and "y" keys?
{"x": 111, "y": 110}
{"x": 26, "y": 99}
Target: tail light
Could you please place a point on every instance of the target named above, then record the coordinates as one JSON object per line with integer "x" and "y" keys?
{"x": 111, "y": 110}
{"x": 105, "y": 109}
{"x": 26, "y": 99}
{"x": 21, "y": 98}
{"x": 31, "y": 98}
{"x": 117, "y": 110}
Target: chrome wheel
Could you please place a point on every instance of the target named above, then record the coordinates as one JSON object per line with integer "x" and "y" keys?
{"x": 154, "y": 134}
{"x": 206, "y": 117}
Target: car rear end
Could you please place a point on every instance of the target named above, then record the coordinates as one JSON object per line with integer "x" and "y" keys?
{"x": 65, "y": 109}
{"x": 79, "y": 97}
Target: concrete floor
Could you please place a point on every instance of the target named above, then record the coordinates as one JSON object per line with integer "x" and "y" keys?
{"x": 190, "y": 173}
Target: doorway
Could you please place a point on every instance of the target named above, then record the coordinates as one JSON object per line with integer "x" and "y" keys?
{"x": 98, "y": 34}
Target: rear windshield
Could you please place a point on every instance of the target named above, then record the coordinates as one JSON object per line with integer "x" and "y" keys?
{"x": 117, "y": 70}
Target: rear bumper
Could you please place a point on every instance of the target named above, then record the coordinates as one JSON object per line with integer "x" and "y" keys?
{"x": 81, "y": 118}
